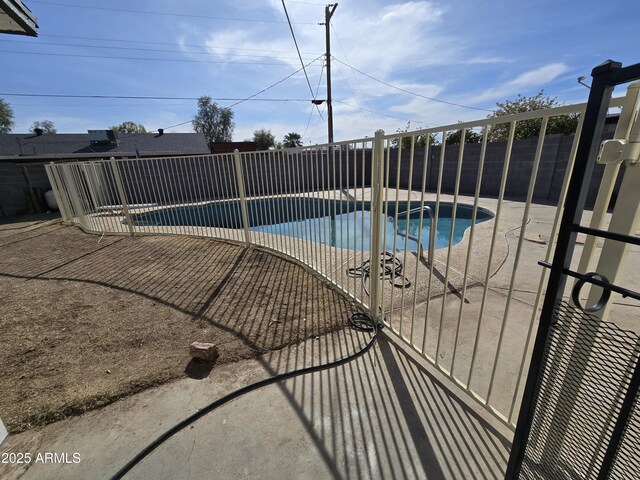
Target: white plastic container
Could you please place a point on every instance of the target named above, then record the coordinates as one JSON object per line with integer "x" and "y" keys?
{"x": 50, "y": 198}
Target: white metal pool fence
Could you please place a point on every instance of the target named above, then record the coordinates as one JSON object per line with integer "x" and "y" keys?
{"x": 366, "y": 184}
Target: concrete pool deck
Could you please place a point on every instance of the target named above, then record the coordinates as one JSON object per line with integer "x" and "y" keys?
{"x": 387, "y": 414}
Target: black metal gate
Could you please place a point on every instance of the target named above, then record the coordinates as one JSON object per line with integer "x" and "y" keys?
{"x": 585, "y": 426}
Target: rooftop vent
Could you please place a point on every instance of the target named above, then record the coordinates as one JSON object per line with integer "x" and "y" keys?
{"x": 102, "y": 137}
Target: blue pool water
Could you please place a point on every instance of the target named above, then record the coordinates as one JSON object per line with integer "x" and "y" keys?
{"x": 332, "y": 222}
{"x": 345, "y": 231}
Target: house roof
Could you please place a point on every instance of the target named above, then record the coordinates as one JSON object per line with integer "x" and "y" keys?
{"x": 17, "y": 19}
{"x": 26, "y": 147}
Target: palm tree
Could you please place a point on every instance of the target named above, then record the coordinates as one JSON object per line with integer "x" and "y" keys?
{"x": 292, "y": 140}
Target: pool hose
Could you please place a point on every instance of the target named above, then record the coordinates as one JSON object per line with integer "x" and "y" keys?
{"x": 390, "y": 268}
{"x": 359, "y": 321}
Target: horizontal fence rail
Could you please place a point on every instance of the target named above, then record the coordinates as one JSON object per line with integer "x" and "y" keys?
{"x": 416, "y": 227}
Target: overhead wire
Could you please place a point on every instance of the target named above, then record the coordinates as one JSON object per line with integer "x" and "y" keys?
{"x": 166, "y": 14}
{"x": 278, "y": 82}
{"x": 314, "y": 126}
{"x": 134, "y": 97}
{"x": 130, "y": 40}
{"x": 409, "y": 91}
{"x": 142, "y": 97}
{"x": 255, "y": 94}
{"x": 368, "y": 117}
{"x": 313, "y": 105}
{"x": 112, "y": 57}
{"x": 108, "y": 47}
{"x": 299, "y": 54}
{"x": 381, "y": 114}
{"x": 353, "y": 75}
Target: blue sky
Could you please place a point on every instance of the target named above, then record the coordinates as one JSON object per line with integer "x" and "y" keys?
{"x": 474, "y": 53}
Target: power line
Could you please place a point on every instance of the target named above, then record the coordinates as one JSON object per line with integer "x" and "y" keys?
{"x": 250, "y": 97}
{"x": 383, "y": 114}
{"x": 181, "y": 60}
{"x": 166, "y": 14}
{"x": 143, "y": 49}
{"x": 409, "y": 91}
{"x": 313, "y": 105}
{"x": 133, "y": 97}
{"x": 368, "y": 117}
{"x": 152, "y": 97}
{"x": 298, "y": 49}
{"x": 274, "y": 84}
{"x": 105, "y": 105}
{"x": 353, "y": 74}
{"x": 102, "y": 39}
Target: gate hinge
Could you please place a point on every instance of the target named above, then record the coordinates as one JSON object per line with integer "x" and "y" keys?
{"x": 618, "y": 151}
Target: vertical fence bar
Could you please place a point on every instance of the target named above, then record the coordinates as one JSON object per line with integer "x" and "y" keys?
{"x": 376, "y": 212}
{"x": 550, "y": 247}
{"x": 73, "y": 193}
{"x": 243, "y": 200}
{"x": 85, "y": 200}
{"x": 52, "y": 173}
{"x": 503, "y": 185}
{"x": 121, "y": 195}
{"x": 407, "y": 232}
{"x": 483, "y": 153}
{"x": 423, "y": 192}
{"x": 395, "y": 235}
{"x": 90, "y": 187}
{"x": 516, "y": 261}
{"x": 433, "y": 228}
{"x": 454, "y": 211}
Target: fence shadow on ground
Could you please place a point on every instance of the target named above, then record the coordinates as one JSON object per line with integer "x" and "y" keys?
{"x": 382, "y": 415}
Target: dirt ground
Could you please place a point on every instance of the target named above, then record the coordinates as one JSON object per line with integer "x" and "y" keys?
{"x": 86, "y": 320}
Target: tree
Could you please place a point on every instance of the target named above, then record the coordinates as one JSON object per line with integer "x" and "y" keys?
{"x": 420, "y": 141}
{"x": 46, "y": 126}
{"x": 6, "y": 117}
{"x": 216, "y": 123}
{"x": 264, "y": 139}
{"x": 565, "y": 124}
{"x": 453, "y": 138}
{"x": 292, "y": 140}
{"x": 129, "y": 127}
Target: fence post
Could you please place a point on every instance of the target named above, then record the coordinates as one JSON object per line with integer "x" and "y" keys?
{"x": 121, "y": 195}
{"x": 56, "y": 186}
{"x": 377, "y": 190}
{"x": 243, "y": 201}
{"x": 73, "y": 194}
{"x": 90, "y": 188}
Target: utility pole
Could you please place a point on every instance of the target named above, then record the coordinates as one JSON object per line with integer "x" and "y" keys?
{"x": 328, "y": 13}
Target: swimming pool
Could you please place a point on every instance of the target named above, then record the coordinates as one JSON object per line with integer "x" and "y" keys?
{"x": 338, "y": 223}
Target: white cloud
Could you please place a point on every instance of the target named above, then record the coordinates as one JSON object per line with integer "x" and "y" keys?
{"x": 529, "y": 79}
{"x": 393, "y": 43}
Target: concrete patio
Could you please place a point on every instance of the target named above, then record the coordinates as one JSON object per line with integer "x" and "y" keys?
{"x": 383, "y": 415}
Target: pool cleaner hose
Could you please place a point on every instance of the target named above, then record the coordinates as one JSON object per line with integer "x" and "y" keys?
{"x": 359, "y": 321}
{"x": 391, "y": 269}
